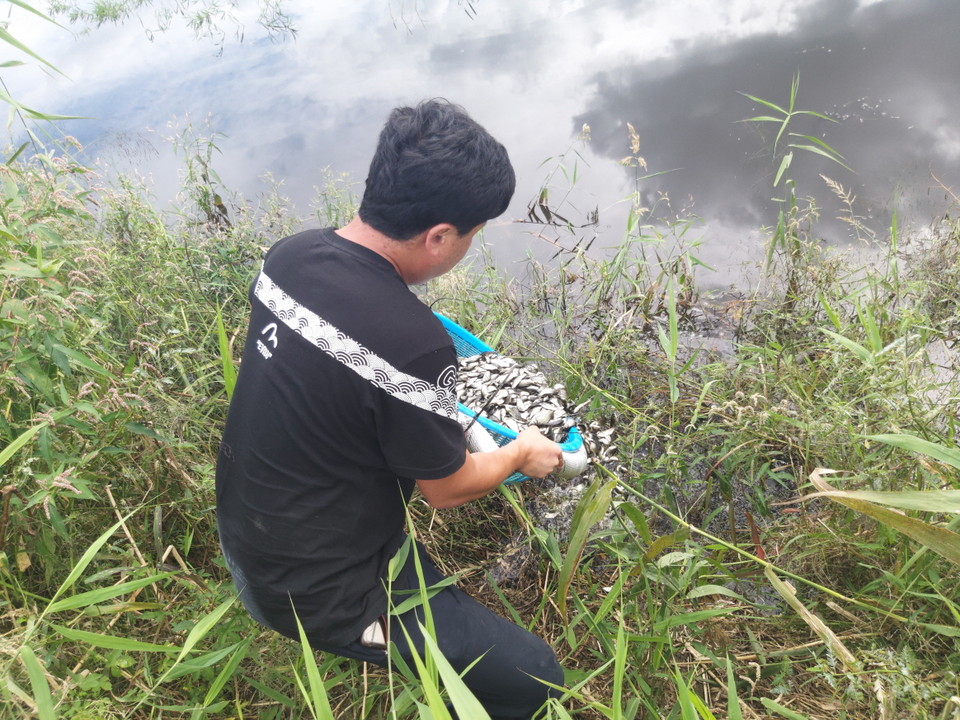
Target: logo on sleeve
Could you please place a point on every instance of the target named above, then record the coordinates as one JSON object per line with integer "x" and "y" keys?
{"x": 269, "y": 333}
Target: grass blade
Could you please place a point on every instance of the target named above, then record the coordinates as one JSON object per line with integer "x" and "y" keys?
{"x": 815, "y": 140}
{"x": 702, "y": 710}
{"x": 111, "y": 642}
{"x": 464, "y": 701}
{"x": 6, "y": 37}
{"x": 26, "y": 6}
{"x": 693, "y": 617}
{"x": 619, "y": 668}
{"x": 938, "y": 501}
{"x": 870, "y": 327}
{"x": 766, "y": 103}
{"x": 784, "y": 165}
{"x": 85, "y": 560}
{"x": 830, "y": 639}
{"x": 684, "y": 700}
{"x": 317, "y": 697}
{"x": 856, "y": 348}
{"x": 435, "y": 708}
{"x": 950, "y": 456}
{"x": 733, "y": 702}
{"x": 21, "y": 440}
{"x": 226, "y": 673}
{"x": 226, "y": 361}
{"x": 417, "y": 599}
{"x": 820, "y": 151}
{"x": 202, "y": 662}
{"x": 37, "y": 114}
{"x": 38, "y": 683}
{"x": 590, "y": 510}
{"x": 269, "y": 692}
{"x": 203, "y": 626}
{"x": 94, "y": 597}
{"x": 942, "y": 541}
{"x": 781, "y": 710}
{"x": 83, "y": 361}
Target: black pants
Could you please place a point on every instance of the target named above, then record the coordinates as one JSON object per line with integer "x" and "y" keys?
{"x": 506, "y": 680}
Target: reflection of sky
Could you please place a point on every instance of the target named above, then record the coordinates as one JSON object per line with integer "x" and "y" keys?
{"x": 533, "y": 73}
{"x": 886, "y": 72}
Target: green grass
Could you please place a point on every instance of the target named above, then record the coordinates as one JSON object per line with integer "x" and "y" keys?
{"x": 700, "y": 595}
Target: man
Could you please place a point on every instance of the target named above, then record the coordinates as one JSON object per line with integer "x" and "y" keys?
{"x": 346, "y": 400}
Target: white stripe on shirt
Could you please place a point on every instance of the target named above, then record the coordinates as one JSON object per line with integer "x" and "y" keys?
{"x": 351, "y": 354}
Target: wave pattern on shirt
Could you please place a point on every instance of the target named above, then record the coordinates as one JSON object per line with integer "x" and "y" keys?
{"x": 350, "y": 353}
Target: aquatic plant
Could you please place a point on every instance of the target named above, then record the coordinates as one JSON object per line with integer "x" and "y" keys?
{"x": 208, "y": 19}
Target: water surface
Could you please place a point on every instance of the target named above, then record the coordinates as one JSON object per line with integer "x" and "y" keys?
{"x": 534, "y": 73}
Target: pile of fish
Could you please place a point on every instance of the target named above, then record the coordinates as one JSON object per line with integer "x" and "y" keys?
{"x": 518, "y": 396}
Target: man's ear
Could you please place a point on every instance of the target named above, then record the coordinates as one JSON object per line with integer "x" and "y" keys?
{"x": 437, "y": 236}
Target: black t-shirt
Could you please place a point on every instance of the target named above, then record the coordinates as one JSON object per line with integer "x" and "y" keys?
{"x": 346, "y": 394}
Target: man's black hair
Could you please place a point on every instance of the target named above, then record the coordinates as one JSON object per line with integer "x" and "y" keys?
{"x": 434, "y": 164}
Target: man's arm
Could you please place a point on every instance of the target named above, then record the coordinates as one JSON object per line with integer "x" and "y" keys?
{"x": 531, "y": 454}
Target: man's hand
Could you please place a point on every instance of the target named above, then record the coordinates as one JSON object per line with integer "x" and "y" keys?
{"x": 531, "y": 453}
{"x": 542, "y": 455}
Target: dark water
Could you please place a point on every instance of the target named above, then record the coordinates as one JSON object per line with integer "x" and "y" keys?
{"x": 534, "y": 73}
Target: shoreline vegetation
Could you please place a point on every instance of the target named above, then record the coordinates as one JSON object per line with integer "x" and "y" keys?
{"x": 779, "y": 532}
{"x": 777, "y": 539}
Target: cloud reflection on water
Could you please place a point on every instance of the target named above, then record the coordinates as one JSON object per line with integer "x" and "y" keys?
{"x": 533, "y": 73}
{"x": 883, "y": 71}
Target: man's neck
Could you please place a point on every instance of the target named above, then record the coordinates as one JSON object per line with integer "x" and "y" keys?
{"x": 359, "y": 232}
